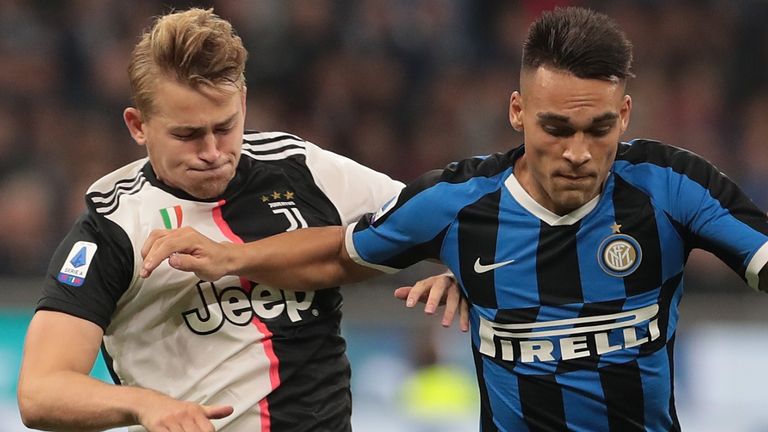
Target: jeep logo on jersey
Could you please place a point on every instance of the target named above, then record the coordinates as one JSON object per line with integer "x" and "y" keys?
{"x": 238, "y": 307}
{"x": 570, "y": 338}
{"x": 619, "y": 255}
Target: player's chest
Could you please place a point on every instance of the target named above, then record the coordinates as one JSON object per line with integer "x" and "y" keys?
{"x": 266, "y": 206}
{"x": 525, "y": 262}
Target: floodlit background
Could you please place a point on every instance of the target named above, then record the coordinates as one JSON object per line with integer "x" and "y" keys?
{"x": 402, "y": 86}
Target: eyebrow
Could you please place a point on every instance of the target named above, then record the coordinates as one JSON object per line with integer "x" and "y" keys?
{"x": 565, "y": 119}
{"x": 194, "y": 128}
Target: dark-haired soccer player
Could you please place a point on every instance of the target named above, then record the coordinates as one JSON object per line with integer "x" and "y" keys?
{"x": 228, "y": 354}
{"x": 570, "y": 248}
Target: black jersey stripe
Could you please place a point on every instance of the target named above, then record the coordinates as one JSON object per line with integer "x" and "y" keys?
{"x": 557, "y": 265}
{"x": 478, "y": 232}
{"x": 666, "y": 296}
{"x": 486, "y": 415}
{"x": 254, "y": 152}
{"x": 541, "y": 398}
{"x": 109, "y": 208}
{"x": 268, "y": 140}
{"x": 281, "y": 155}
{"x": 696, "y": 168}
{"x": 672, "y": 409}
{"x": 635, "y": 215}
{"x": 590, "y": 309}
{"x": 109, "y": 362}
{"x": 124, "y": 189}
{"x": 127, "y": 183}
{"x": 623, "y": 391}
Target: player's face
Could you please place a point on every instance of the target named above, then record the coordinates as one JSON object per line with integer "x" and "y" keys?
{"x": 193, "y": 136}
{"x": 571, "y": 128}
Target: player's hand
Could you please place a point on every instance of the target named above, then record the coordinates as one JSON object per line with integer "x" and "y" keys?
{"x": 436, "y": 291}
{"x": 187, "y": 250}
{"x": 164, "y": 414}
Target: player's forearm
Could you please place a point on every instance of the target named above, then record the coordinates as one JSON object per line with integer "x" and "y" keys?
{"x": 301, "y": 260}
{"x": 72, "y": 401}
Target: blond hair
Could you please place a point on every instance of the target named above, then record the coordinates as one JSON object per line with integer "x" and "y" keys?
{"x": 196, "y": 47}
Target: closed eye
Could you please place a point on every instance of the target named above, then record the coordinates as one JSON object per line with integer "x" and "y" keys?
{"x": 558, "y": 131}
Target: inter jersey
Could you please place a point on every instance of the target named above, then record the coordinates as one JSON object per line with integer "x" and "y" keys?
{"x": 573, "y": 317}
{"x": 275, "y": 355}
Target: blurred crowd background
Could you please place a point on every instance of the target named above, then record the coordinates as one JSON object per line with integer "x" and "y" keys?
{"x": 402, "y": 86}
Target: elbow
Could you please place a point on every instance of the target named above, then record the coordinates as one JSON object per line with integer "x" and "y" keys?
{"x": 32, "y": 414}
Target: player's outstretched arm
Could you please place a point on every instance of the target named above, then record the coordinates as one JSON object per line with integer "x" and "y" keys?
{"x": 56, "y": 393}
{"x": 435, "y": 291}
{"x": 301, "y": 260}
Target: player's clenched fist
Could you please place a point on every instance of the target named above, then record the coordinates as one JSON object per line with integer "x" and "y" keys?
{"x": 187, "y": 250}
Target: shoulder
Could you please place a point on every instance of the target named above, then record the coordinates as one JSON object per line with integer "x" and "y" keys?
{"x": 103, "y": 194}
{"x": 487, "y": 167}
{"x": 644, "y": 151}
{"x": 126, "y": 176}
{"x": 273, "y": 146}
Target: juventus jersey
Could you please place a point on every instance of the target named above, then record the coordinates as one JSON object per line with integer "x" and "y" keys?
{"x": 573, "y": 317}
{"x": 277, "y": 356}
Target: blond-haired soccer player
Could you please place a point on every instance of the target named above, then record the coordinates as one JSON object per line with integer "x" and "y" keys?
{"x": 190, "y": 354}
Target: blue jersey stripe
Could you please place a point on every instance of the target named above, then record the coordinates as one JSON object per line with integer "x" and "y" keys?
{"x": 583, "y": 410}
{"x": 689, "y": 203}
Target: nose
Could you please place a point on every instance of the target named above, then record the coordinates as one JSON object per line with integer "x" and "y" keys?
{"x": 209, "y": 148}
{"x": 577, "y": 150}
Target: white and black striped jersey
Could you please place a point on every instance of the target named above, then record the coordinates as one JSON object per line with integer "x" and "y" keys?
{"x": 277, "y": 356}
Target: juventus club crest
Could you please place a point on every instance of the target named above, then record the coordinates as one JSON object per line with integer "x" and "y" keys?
{"x": 619, "y": 254}
{"x": 282, "y": 203}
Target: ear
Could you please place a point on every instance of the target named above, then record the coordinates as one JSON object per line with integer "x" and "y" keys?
{"x": 135, "y": 124}
{"x": 624, "y": 113}
{"x": 516, "y": 111}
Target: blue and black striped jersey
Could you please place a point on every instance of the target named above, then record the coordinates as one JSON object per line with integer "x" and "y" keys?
{"x": 573, "y": 317}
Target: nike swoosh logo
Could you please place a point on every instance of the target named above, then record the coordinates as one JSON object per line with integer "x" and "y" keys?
{"x": 482, "y": 268}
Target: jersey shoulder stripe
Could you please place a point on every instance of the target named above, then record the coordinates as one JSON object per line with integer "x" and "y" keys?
{"x": 105, "y": 193}
{"x": 272, "y": 145}
{"x": 455, "y": 173}
{"x": 694, "y": 174}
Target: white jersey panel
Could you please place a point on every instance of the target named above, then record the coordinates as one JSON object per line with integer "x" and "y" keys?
{"x": 354, "y": 189}
{"x": 149, "y": 327}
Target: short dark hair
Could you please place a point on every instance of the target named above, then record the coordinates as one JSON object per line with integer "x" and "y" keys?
{"x": 581, "y": 41}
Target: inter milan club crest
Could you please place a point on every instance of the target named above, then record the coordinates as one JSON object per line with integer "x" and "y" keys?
{"x": 619, "y": 254}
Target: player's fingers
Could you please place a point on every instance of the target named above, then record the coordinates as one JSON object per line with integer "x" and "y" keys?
{"x": 402, "y": 292}
{"x": 436, "y": 291}
{"x": 218, "y": 411}
{"x": 194, "y": 423}
{"x": 204, "y": 425}
{"x": 415, "y": 294}
{"x": 151, "y": 239}
{"x": 452, "y": 300}
{"x": 179, "y": 240}
{"x": 160, "y": 249}
{"x": 464, "y": 315}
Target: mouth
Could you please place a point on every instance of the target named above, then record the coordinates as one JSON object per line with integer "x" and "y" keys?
{"x": 574, "y": 177}
{"x": 210, "y": 169}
